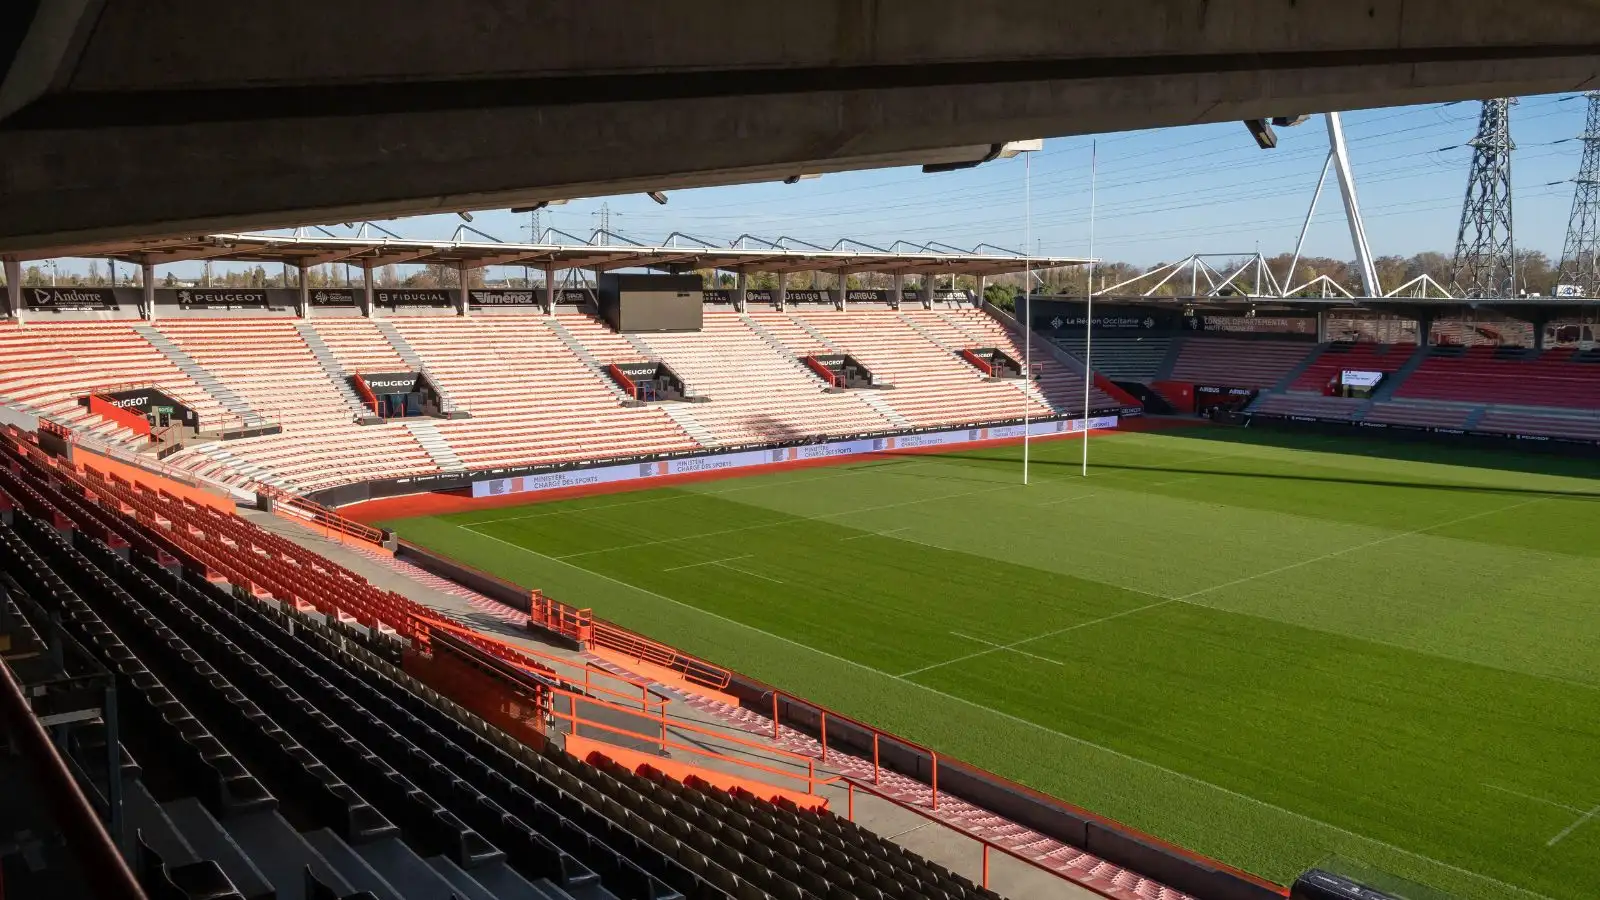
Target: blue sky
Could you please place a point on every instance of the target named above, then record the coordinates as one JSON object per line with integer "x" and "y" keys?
{"x": 1162, "y": 194}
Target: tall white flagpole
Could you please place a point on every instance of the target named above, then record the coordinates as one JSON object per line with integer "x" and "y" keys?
{"x": 1088, "y": 320}
{"x": 1027, "y": 303}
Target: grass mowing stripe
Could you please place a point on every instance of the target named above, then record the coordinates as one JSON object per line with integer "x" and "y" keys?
{"x": 791, "y": 520}
{"x": 1038, "y": 637}
{"x": 1183, "y": 776}
{"x": 1366, "y": 546}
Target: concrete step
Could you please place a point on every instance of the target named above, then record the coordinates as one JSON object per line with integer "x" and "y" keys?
{"x": 976, "y": 340}
{"x": 283, "y": 855}
{"x": 925, "y": 333}
{"x": 225, "y": 398}
{"x": 878, "y": 403}
{"x": 815, "y": 333}
{"x": 356, "y": 871}
{"x": 436, "y": 444}
{"x": 400, "y": 865}
{"x": 589, "y": 360}
{"x": 211, "y": 841}
{"x": 684, "y": 417}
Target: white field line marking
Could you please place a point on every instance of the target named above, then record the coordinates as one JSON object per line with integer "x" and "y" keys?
{"x": 1054, "y": 662}
{"x": 1038, "y": 637}
{"x": 1373, "y": 543}
{"x": 870, "y": 534}
{"x": 573, "y": 510}
{"x": 1068, "y": 499}
{"x": 1082, "y": 742}
{"x": 1186, "y": 598}
{"x": 791, "y": 520}
{"x": 1545, "y": 801}
{"x": 708, "y": 562}
{"x": 1573, "y": 827}
{"x": 748, "y": 572}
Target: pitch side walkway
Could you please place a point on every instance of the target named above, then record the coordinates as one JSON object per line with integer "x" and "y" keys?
{"x": 936, "y": 839}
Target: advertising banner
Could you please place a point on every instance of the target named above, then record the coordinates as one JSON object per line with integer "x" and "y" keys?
{"x": 1278, "y": 323}
{"x": 1060, "y": 316}
{"x": 408, "y": 298}
{"x": 479, "y": 298}
{"x": 758, "y": 295}
{"x": 809, "y": 296}
{"x": 1357, "y": 379}
{"x": 575, "y": 296}
{"x": 717, "y": 295}
{"x": 742, "y": 459}
{"x": 330, "y": 297}
{"x": 212, "y": 298}
{"x": 146, "y": 401}
{"x": 868, "y": 296}
{"x": 75, "y": 298}
{"x": 391, "y": 382}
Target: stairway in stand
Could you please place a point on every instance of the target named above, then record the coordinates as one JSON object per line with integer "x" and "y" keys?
{"x": 428, "y": 435}
{"x": 330, "y": 364}
{"x": 218, "y": 391}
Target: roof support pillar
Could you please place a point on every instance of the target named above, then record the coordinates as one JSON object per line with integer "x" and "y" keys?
{"x": 929, "y": 282}
{"x": 367, "y": 305}
{"x": 780, "y": 294}
{"x": 463, "y": 279}
{"x": 1322, "y": 326}
{"x": 550, "y": 290}
{"x": 899, "y": 290}
{"x": 741, "y": 288}
{"x": 13, "y": 308}
{"x": 147, "y": 303}
{"x": 303, "y": 302}
{"x": 843, "y": 289}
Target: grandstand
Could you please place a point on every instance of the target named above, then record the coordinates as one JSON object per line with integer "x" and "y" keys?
{"x": 311, "y": 709}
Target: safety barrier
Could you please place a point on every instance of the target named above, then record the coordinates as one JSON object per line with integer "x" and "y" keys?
{"x": 979, "y": 362}
{"x": 309, "y": 510}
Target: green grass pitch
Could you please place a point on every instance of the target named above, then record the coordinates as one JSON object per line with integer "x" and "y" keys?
{"x": 1269, "y": 648}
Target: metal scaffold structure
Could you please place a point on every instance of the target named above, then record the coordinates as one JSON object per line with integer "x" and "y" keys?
{"x": 1485, "y": 261}
{"x": 1580, "y": 269}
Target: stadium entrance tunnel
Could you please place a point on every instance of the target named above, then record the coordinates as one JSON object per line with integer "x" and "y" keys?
{"x": 841, "y": 371}
{"x": 649, "y": 382}
{"x": 992, "y": 362}
{"x": 401, "y": 395}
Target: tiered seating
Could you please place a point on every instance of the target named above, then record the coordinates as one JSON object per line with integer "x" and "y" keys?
{"x": 1339, "y": 357}
{"x": 932, "y": 386}
{"x": 1232, "y": 362}
{"x": 813, "y": 850}
{"x": 49, "y": 366}
{"x": 1433, "y": 415}
{"x": 1507, "y": 333}
{"x": 239, "y": 705}
{"x": 1481, "y": 375}
{"x": 756, "y": 394}
{"x": 1303, "y": 404}
{"x": 268, "y": 365}
{"x": 358, "y": 345}
{"x": 360, "y": 767}
{"x": 1119, "y": 356}
{"x": 532, "y": 400}
{"x": 1575, "y": 425}
{"x": 962, "y": 326}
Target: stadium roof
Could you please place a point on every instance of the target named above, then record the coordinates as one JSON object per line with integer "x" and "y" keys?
{"x": 320, "y": 250}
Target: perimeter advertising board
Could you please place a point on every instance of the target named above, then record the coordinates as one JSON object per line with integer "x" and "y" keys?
{"x": 78, "y": 298}
{"x": 716, "y": 462}
{"x": 495, "y": 298}
{"x": 213, "y": 298}
{"x": 412, "y": 298}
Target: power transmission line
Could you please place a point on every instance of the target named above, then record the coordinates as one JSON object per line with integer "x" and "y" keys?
{"x": 1485, "y": 264}
{"x": 1578, "y": 263}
